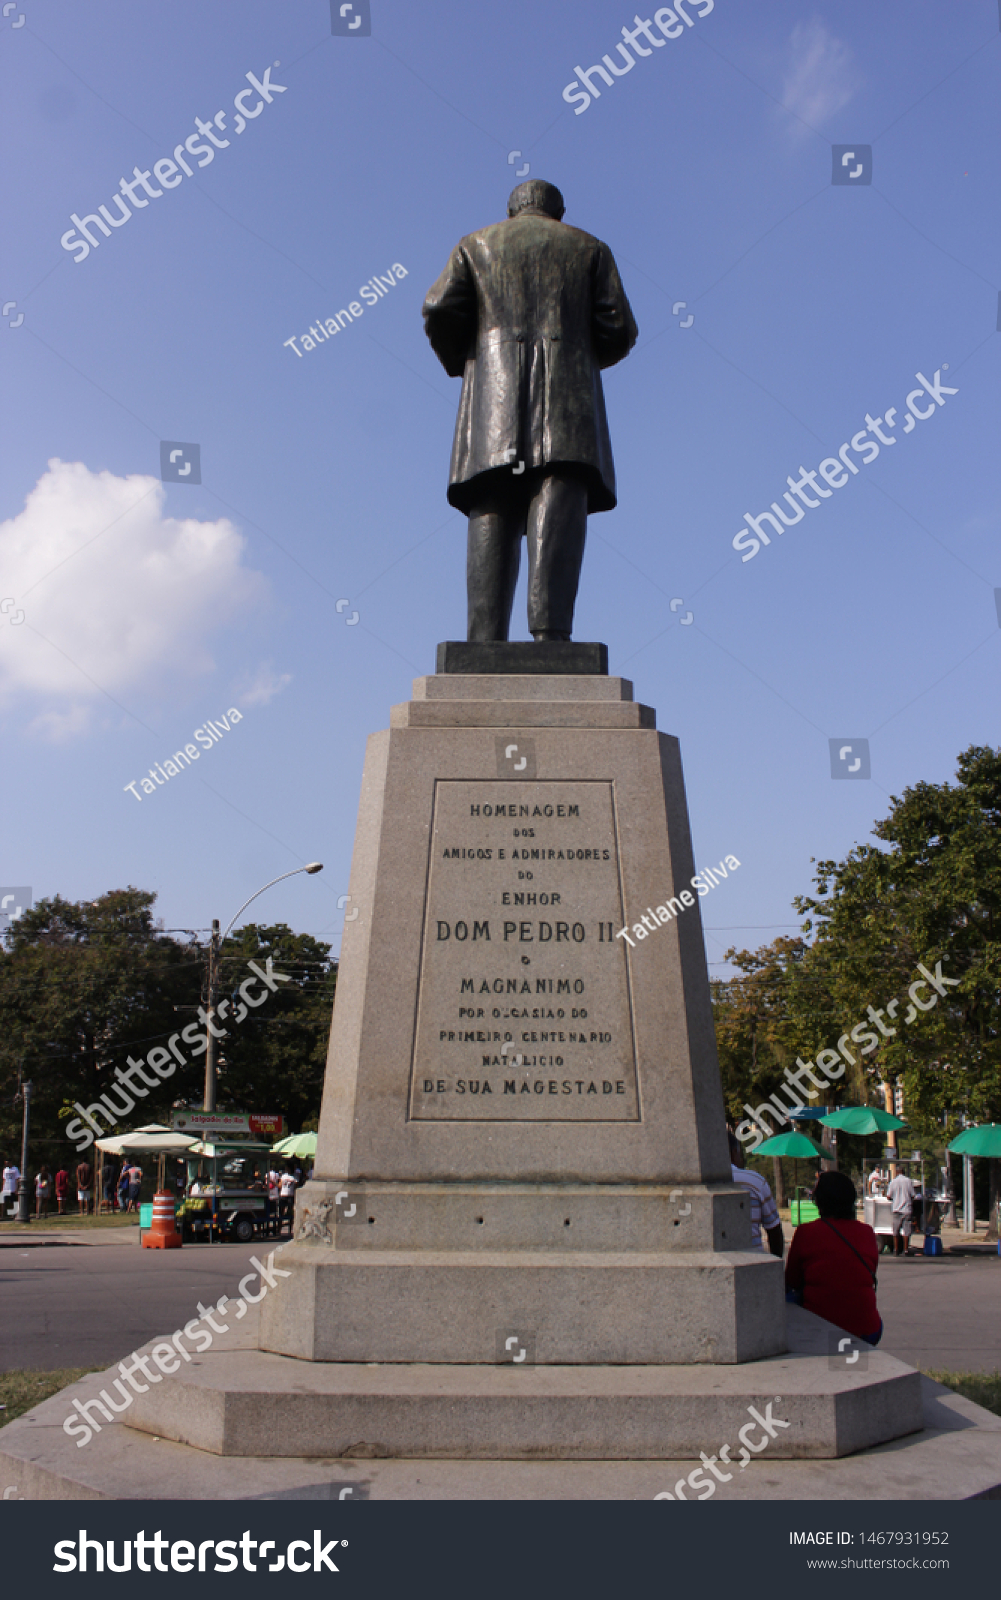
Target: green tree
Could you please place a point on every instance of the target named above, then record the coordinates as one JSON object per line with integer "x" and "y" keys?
{"x": 777, "y": 1010}
{"x": 933, "y": 896}
{"x": 274, "y": 1059}
{"x": 84, "y": 986}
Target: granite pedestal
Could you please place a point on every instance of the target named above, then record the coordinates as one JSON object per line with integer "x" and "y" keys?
{"x": 522, "y": 1134}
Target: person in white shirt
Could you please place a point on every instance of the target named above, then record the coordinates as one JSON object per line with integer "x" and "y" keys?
{"x": 901, "y": 1192}
{"x": 287, "y": 1185}
{"x": 11, "y": 1179}
{"x": 764, "y": 1212}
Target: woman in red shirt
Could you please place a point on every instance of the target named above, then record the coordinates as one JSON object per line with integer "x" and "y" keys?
{"x": 62, "y": 1189}
{"x": 831, "y": 1269}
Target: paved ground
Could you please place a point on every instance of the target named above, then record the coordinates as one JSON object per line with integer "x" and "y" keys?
{"x": 942, "y": 1311}
{"x": 91, "y": 1304}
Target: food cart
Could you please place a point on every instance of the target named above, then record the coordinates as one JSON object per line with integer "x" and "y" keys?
{"x": 226, "y": 1194}
{"x": 877, "y": 1211}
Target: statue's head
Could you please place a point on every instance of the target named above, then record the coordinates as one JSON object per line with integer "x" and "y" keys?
{"x": 536, "y": 195}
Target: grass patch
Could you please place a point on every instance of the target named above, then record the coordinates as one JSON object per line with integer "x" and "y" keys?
{"x": 983, "y": 1388}
{"x": 53, "y": 1222}
{"x": 19, "y": 1391}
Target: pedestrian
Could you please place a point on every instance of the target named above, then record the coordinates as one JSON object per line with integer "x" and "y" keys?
{"x": 764, "y": 1211}
{"x": 11, "y": 1179}
{"x": 286, "y": 1202}
{"x": 108, "y": 1175}
{"x": 62, "y": 1189}
{"x": 123, "y": 1187}
{"x": 831, "y": 1269}
{"x": 84, "y": 1176}
{"x": 43, "y": 1189}
{"x": 135, "y": 1184}
{"x": 901, "y": 1192}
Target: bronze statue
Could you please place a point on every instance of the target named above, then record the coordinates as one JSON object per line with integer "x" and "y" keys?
{"x": 527, "y": 312}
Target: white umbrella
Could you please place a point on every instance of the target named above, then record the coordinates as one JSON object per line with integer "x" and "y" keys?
{"x": 155, "y": 1141}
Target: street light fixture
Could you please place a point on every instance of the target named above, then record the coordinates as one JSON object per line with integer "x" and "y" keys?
{"x": 215, "y": 944}
{"x": 23, "y": 1201}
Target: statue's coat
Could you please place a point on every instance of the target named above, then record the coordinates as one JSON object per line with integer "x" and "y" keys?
{"x": 527, "y": 312}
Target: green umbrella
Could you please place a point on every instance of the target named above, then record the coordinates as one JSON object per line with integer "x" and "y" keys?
{"x": 795, "y": 1145}
{"x": 982, "y": 1141}
{"x": 297, "y": 1144}
{"x": 862, "y": 1119}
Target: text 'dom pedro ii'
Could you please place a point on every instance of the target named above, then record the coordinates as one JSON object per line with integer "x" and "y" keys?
{"x": 523, "y": 1009}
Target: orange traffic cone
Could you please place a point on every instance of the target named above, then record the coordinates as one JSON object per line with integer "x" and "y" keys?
{"x": 162, "y": 1235}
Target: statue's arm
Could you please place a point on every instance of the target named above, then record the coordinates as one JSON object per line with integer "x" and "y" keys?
{"x": 613, "y": 326}
{"x": 450, "y": 314}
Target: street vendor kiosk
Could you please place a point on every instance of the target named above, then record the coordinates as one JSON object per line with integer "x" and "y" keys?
{"x": 226, "y": 1195}
{"x": 877, "y": 1211}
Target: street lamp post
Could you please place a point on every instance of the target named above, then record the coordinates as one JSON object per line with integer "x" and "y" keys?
{"x": 23, "y": 1211}
{"x": 215, "y": 946}
{"x": 210, "y": 1060}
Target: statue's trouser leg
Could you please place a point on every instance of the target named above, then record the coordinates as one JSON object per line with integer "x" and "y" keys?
{"x": 493, "y": 556}
{"x": 557, "y": 526}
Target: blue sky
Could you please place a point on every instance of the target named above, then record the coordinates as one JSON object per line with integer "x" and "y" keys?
{"x": 150, "y": 609}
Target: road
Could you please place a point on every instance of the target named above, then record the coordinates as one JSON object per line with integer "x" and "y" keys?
{"x": 942, "y": 1311}
{"x": 90, "y": 1305}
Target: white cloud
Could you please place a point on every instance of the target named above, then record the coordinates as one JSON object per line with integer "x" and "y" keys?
{"x": 59, "y": 726}
{"x": 140, "y": 602}
{"x": 820, "y": 77}
{"x": 260, "y": 689}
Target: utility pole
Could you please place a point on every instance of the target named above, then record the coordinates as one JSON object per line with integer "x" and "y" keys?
{"x": 215, "y": 945}
{"x": 891, "y": 1138}
{"x": 23, "y": 1211}
{"x": 210, "y": 1060}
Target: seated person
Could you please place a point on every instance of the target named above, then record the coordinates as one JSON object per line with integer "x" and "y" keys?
{"x": 831, "y": 1269}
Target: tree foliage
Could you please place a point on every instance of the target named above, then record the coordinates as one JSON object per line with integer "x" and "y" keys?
{"x": 929, "y": 893}
{"x": 85, "y": 985}
{"x": 933, "y": 895}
